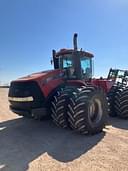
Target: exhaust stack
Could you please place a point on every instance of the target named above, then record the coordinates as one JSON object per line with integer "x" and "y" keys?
{"x": 75, "y": 42}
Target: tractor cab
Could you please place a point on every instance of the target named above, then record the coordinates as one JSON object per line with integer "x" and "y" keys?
{"x": 118, "y": 75}
{"x": 77, "y": 64}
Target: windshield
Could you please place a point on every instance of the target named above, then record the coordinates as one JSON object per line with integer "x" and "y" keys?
{"x": 68, "y": 62}
{"x": 65, "y": 61}
{"x": 86, "y": 67}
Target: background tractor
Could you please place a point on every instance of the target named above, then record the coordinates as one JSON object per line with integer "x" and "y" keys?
{"x": 118, "y": 94}
{"x": 118, "y": 75}
{"x": 68, "y": 93}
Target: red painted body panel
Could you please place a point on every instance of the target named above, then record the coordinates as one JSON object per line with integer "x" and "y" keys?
{"x": 76, "y": 82}
{"x": 40, "y": 75}
{"x": 50, "y": 86}
{"x": 49, "y": 80}
{"x": 103, "y": 83}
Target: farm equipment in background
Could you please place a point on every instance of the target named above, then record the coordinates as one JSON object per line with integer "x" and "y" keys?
{"x": 68, "y": 93}
{"x": 118, "y": 75}
{"x": 118, "y": 94}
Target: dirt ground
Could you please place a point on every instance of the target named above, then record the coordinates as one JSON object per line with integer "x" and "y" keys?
{"x": 26, "y": 144}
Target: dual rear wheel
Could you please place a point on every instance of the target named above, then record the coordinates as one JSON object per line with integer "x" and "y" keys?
{"x": 83, "y": 109}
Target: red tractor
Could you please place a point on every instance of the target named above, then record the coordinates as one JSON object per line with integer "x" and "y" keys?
{"x": 68, "y": 93}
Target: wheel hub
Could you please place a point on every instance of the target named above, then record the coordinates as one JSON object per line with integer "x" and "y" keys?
{"x": 95, "y": 111}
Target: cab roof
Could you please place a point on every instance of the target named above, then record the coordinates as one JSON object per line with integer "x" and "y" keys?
{"x": 70, "y": 51}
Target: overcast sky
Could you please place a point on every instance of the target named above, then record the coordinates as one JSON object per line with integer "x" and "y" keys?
{"x": 30, "y": 29}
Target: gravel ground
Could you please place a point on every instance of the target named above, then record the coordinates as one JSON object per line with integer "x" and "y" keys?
{"x": 26, "y": 144}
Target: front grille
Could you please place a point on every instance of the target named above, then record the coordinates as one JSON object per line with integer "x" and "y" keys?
{"x": 26, "y": 89}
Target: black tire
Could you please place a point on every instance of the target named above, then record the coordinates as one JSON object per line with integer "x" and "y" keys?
{"x": 111, "y": 100}
{"x": 88, "y": 110}
{"x": 121, "y": 102}
{"x": 59, "y": 107}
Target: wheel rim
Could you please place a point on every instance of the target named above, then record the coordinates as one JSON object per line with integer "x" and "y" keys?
{"x": 95, "y": 111}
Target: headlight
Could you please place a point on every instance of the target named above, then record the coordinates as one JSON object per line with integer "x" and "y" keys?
{"x": 21, "y": 99}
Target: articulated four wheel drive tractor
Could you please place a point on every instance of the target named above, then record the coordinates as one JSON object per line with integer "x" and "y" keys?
{"x": 69, "y": 94}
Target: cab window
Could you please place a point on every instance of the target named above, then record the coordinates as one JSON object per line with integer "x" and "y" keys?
{"x": 86, "y": 67}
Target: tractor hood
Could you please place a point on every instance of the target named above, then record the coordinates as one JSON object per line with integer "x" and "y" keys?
{"x": 42, "y": 75}
{"x": 37, "y": 83}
